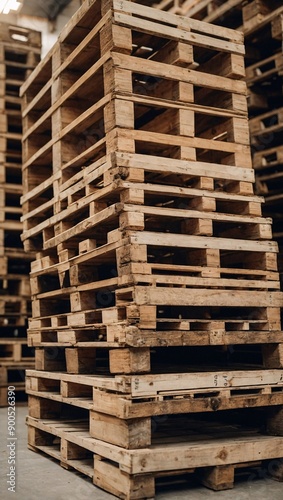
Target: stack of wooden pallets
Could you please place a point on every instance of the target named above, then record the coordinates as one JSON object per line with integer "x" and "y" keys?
{"x": 19, "y": 54}
{"x": 155, "y": 291}
{"x": 262, "y": 24}
{"x": 264, "y": 63}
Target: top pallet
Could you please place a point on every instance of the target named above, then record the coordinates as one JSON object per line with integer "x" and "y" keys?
{"x": 150, "y": 30}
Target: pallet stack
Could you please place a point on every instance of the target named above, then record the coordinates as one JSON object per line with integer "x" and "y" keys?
{"x": 19, "y": 54}
{"x": 261, "y": 22}
{"x": 262, "y": 25}
{"x": 155, "y": 291}
{"x": 264, "y": 63}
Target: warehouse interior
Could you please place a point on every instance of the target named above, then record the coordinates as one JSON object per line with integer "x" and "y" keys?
{"x": 141, "y": 249}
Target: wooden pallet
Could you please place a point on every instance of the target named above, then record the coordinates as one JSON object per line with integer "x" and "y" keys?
{"x": 14, "y": 372}
{"x": 155, "y": 254}
{"x": 163, "y": 304}
{"x": 15, "y": 350}
{"x": 257, "y": 11}
{"x": 10, "y": 210}
{"x": 133, "y": 397}
{"x": 20, "y": 37}
{"x": 13, "y": 310}
{"x": 41, "y": 227}
{"x": 15, "y": 284}
{"x": 268, "y": 158}
{"x": 88, "y": 303}
{"x": 266, "y": 123}
{"x": 170, "y": 332}
{"x": 264, "y": 70}
{"x": 15, "y": 262}
{"x": 137, "y": 432}
{"x": 136, "y": 360}
{"x": 78, "y": 273}
{"x": 216, "y": 455}
{"x": 130, "y": 106}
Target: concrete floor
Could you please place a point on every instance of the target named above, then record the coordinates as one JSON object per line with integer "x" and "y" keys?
{"x": 41, "y": 478}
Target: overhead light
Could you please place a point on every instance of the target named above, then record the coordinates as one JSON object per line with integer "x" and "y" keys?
{"x": 7, "y": 5}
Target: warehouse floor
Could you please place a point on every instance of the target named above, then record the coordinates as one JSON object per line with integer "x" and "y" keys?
{"x": 39, "y": 477}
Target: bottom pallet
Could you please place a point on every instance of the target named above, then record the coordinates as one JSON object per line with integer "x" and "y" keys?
{"x": 214, "y": 456}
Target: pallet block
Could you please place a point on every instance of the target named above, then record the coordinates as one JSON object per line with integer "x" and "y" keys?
{"x": 14, "y": 351}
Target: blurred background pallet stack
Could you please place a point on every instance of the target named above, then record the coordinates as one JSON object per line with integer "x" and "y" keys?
{"x": 19, "y": 54}
{"x": 155, "y": 290}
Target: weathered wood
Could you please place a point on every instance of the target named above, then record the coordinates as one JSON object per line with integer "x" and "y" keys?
{"x": 80, "y": 360}
{"x": 239, "y": 449}
{"x": 130, "y": 434}
{"x": 150, "y": 385}
{"x": 218, "y": 478}
{"x": 148, "y": 236}
{"x": 275, "y": 421}
{"x": 129, "y": 360}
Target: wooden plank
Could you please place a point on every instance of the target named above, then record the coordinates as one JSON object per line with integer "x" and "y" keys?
{"x": 178, "y": 140}
{"x": 209, "y": 453}
{"x": 154, "y": 28}
{"x": 180, "y": 104}
{"x": 199, "y": 297}
{"x": 169, "y": 165}
{"x": 144, "y": 385}
{"x": 188, "y": 241}
{"x": 183, "y": 213}
{"x": 184, "y": 22}
{"x": 176, "y": 73}
{"x": 194, "y": 452}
